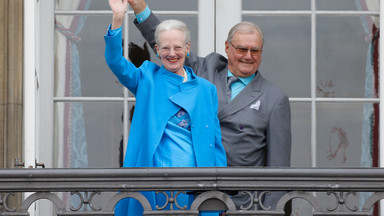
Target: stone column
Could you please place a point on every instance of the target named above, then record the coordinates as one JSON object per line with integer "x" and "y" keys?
{"x": 11, "y": 81}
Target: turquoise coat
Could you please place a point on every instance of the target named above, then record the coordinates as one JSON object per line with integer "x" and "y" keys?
{"x": 159, "y": 95}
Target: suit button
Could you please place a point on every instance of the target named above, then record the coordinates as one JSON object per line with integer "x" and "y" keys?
{"x": 210, "y": 145}
{"x": 206, "y": 126}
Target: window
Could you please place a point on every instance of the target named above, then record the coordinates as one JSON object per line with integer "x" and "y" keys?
{"x": 322, "y": 53}
{"x": 323, "y": 58}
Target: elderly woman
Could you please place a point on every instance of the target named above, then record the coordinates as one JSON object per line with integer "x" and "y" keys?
{"x": 175, "y": 121}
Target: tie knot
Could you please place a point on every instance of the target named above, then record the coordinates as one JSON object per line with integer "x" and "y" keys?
{"x": 232, "y": 79}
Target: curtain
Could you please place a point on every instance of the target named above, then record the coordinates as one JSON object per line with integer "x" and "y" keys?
{"x": 370, "y": 129}
{"x": 70, "y": 136}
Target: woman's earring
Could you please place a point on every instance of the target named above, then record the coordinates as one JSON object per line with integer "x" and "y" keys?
{"x": 157, "y": 54}
{"x": 187, "y": 54}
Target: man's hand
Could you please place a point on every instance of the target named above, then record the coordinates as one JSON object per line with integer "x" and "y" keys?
{"x": 137, "y": 5}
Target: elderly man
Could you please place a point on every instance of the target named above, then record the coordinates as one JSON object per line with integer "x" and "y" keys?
{"x": 254, "y": 114}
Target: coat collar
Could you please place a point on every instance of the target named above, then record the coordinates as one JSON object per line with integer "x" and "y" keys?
{"x": 253, "y": 86}
{"x": 178, "y": 80}
{"x": 249, "y": 94}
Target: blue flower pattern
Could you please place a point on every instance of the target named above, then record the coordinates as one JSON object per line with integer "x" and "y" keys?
{"x": 182, "y": 119}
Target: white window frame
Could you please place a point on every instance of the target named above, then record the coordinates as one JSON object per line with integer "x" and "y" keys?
{"x": 381, "y": 90}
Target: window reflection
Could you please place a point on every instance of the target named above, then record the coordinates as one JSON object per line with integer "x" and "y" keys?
{"x": 301, "y": 134}
{"x": 276, "y": 5}
{"x": 103, "y": 4}
{"x": 344, "y": 135}
{"x": 344, "y": 54}
{"x": 342, "y": 5}
{"x": 87, "y": 134}
{"x": 287, "y": 52}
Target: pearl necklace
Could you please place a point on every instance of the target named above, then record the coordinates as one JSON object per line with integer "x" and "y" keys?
{"x": 185, "y": 76}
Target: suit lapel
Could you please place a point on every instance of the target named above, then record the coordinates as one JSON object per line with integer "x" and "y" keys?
{"x": 244, "y": 99}
{"x": 220, "y": 81}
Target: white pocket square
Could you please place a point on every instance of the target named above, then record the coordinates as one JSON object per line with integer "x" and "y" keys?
{"x": 255, "y": 106}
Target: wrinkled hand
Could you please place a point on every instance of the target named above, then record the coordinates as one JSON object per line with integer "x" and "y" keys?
{"x": 119, "y": 6}
{"x": 137, "y": 5}
{"x": 133, "y": 2}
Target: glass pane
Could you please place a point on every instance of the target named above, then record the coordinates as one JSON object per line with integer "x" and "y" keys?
{"x": 74, "y": 4}
{"x": 80, "y": 67}
{"x": 347, "y": 5}
{"x": 137, "y": 40}
{"x": 287, "y": 52}
{"x": 276, "y": 5}
{"x": 104, "y": 5}
{"x": 347, "y": 135}
{"x": 88, "y": 135}
{"x": 81, "y": 5}
{"x": 99, "y": 5}
{"x": 344, "y": 55}
{"x": 173, "y": 4}
{"x": 301, "y": 134}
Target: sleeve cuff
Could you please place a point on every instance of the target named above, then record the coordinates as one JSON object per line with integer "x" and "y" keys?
{"x": 142, "y": 16}
{"x": 113, "y": 32}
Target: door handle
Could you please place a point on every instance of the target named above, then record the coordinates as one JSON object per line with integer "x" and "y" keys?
{"x": 39, "y": 164}
{"x": 22, "y": 164}
{"x": 18, "y": 164}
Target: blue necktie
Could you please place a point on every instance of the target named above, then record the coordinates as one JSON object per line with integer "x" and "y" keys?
{"x": 231, "y": 80}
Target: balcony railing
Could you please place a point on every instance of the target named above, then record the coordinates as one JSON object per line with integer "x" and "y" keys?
{"x": 328, "y": 192}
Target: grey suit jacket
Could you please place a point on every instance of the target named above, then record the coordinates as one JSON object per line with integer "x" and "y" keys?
{"x": 255, "y": 125}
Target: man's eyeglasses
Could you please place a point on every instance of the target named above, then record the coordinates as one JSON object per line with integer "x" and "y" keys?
{"x": 244, "y": 50}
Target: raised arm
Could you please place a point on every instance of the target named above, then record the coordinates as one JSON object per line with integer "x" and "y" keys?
{"x": 127, "y": 73}
{"x": 119, "y": 8}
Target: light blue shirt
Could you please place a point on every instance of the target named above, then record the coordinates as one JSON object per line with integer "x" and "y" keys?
{"x": 237, "y": 87}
